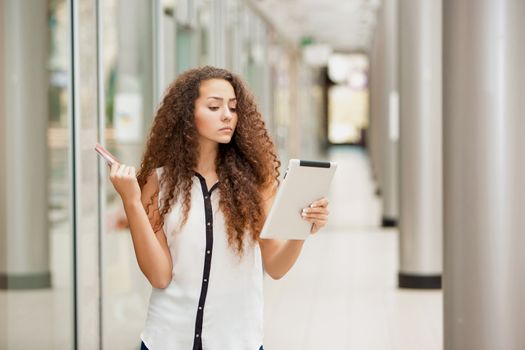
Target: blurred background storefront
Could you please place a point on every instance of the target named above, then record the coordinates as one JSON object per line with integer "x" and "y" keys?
{"x": 420, "y": 102}
{"x": 80, "y": 72}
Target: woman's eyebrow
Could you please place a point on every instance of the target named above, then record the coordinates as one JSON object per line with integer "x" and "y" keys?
{"x": 220, "y": 98}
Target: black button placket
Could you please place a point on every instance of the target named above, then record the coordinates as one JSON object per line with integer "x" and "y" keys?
{"x": 197, "y": 342}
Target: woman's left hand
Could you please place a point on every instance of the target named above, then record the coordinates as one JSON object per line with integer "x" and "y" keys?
{"x": 317, "y": 214}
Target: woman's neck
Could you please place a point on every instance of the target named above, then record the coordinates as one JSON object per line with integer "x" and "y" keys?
{"x": 207, "y": 156}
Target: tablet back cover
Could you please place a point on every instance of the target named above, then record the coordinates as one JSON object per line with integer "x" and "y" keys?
{"x": 304, "y": 183}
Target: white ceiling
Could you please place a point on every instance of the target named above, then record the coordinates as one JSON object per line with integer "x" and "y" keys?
{"x": 346, "y": 25}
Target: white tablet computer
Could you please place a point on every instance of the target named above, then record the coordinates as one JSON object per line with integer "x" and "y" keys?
{"x": 304, "y": 182}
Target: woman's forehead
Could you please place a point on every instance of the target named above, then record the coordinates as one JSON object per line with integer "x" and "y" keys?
{"x": 217, "y": 88}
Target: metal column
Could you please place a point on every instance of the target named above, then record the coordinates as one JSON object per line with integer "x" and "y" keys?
{"x": 484, "y": 178}
{"x": 421, "y": 227}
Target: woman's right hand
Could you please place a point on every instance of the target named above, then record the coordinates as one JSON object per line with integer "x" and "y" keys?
{"x": 124, "y": 180}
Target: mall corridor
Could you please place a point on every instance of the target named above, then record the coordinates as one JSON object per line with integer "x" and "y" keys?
{"x": 420, "y": 102}
{"x": 342, "y": 292}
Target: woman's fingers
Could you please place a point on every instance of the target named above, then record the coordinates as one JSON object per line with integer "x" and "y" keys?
{"x": 122, "y": 170}
{"x": 125, "y": 182}
{"x": 114, "y": 169}
{"x": 316, "y": 219}
{"x": 323, "y": 202}
{"x": 316, "y": 211}
{"x": 316, "y": 214}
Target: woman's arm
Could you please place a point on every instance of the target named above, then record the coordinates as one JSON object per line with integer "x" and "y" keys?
{"x": 279, "y": 256}
{"x": 151, "y": 248}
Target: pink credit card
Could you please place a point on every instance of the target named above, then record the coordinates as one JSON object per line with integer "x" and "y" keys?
{"x": 104, "y": 153}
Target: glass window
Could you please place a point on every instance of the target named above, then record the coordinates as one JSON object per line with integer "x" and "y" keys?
{"x": 187, "y": 48}
{"x": 36, "y": 269}
{"x": 204, "y": 22}
{"x": 127, "y": 31}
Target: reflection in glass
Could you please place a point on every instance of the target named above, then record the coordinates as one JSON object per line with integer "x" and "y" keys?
{"x": 186, "y": 52}
{"x": 204, "y": 23}
{"x": 39, "y": 273}
{"x": 127, "y": 28}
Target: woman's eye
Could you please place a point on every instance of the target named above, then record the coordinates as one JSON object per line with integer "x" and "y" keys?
{"x": 233, "y": 109}
{"x": 214, "y": 108}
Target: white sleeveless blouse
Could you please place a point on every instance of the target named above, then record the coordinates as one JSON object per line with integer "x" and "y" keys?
{"x": 214, "y": 300}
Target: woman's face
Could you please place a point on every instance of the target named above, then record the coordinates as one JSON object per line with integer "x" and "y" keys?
{"x": 215, "y": 111}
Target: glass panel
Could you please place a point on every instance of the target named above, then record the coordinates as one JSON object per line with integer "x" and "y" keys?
{"x": 281, "y": 99}
{"x": 233, "y": 37}
{"x": 186, "y": 52}
{"x": 168, "y": 26}
{"x": 128, "y": 92}
{"x": 204, "y": 22}
{"x": 36, "y": 276}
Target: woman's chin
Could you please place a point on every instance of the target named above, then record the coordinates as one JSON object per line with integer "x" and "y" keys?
{"x": 224, "y": 140}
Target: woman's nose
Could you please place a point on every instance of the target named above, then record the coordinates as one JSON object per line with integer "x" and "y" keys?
{"x": 227, "y": 113}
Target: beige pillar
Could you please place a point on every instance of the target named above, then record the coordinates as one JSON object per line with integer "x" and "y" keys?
{"x": 421, "y": 224}
{"x": 484, "y": 126}
{"x": 23, "y": 174}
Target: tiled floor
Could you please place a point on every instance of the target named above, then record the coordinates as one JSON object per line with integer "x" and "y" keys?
{"x": 341, "y": 294}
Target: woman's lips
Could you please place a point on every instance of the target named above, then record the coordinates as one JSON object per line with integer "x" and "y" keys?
{"x": 227, "y": 129}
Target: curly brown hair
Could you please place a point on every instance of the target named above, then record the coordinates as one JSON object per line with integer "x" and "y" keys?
{"x": 246, "y": 166}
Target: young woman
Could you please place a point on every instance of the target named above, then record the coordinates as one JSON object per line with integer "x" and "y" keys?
{"x": 195, "y": 209}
